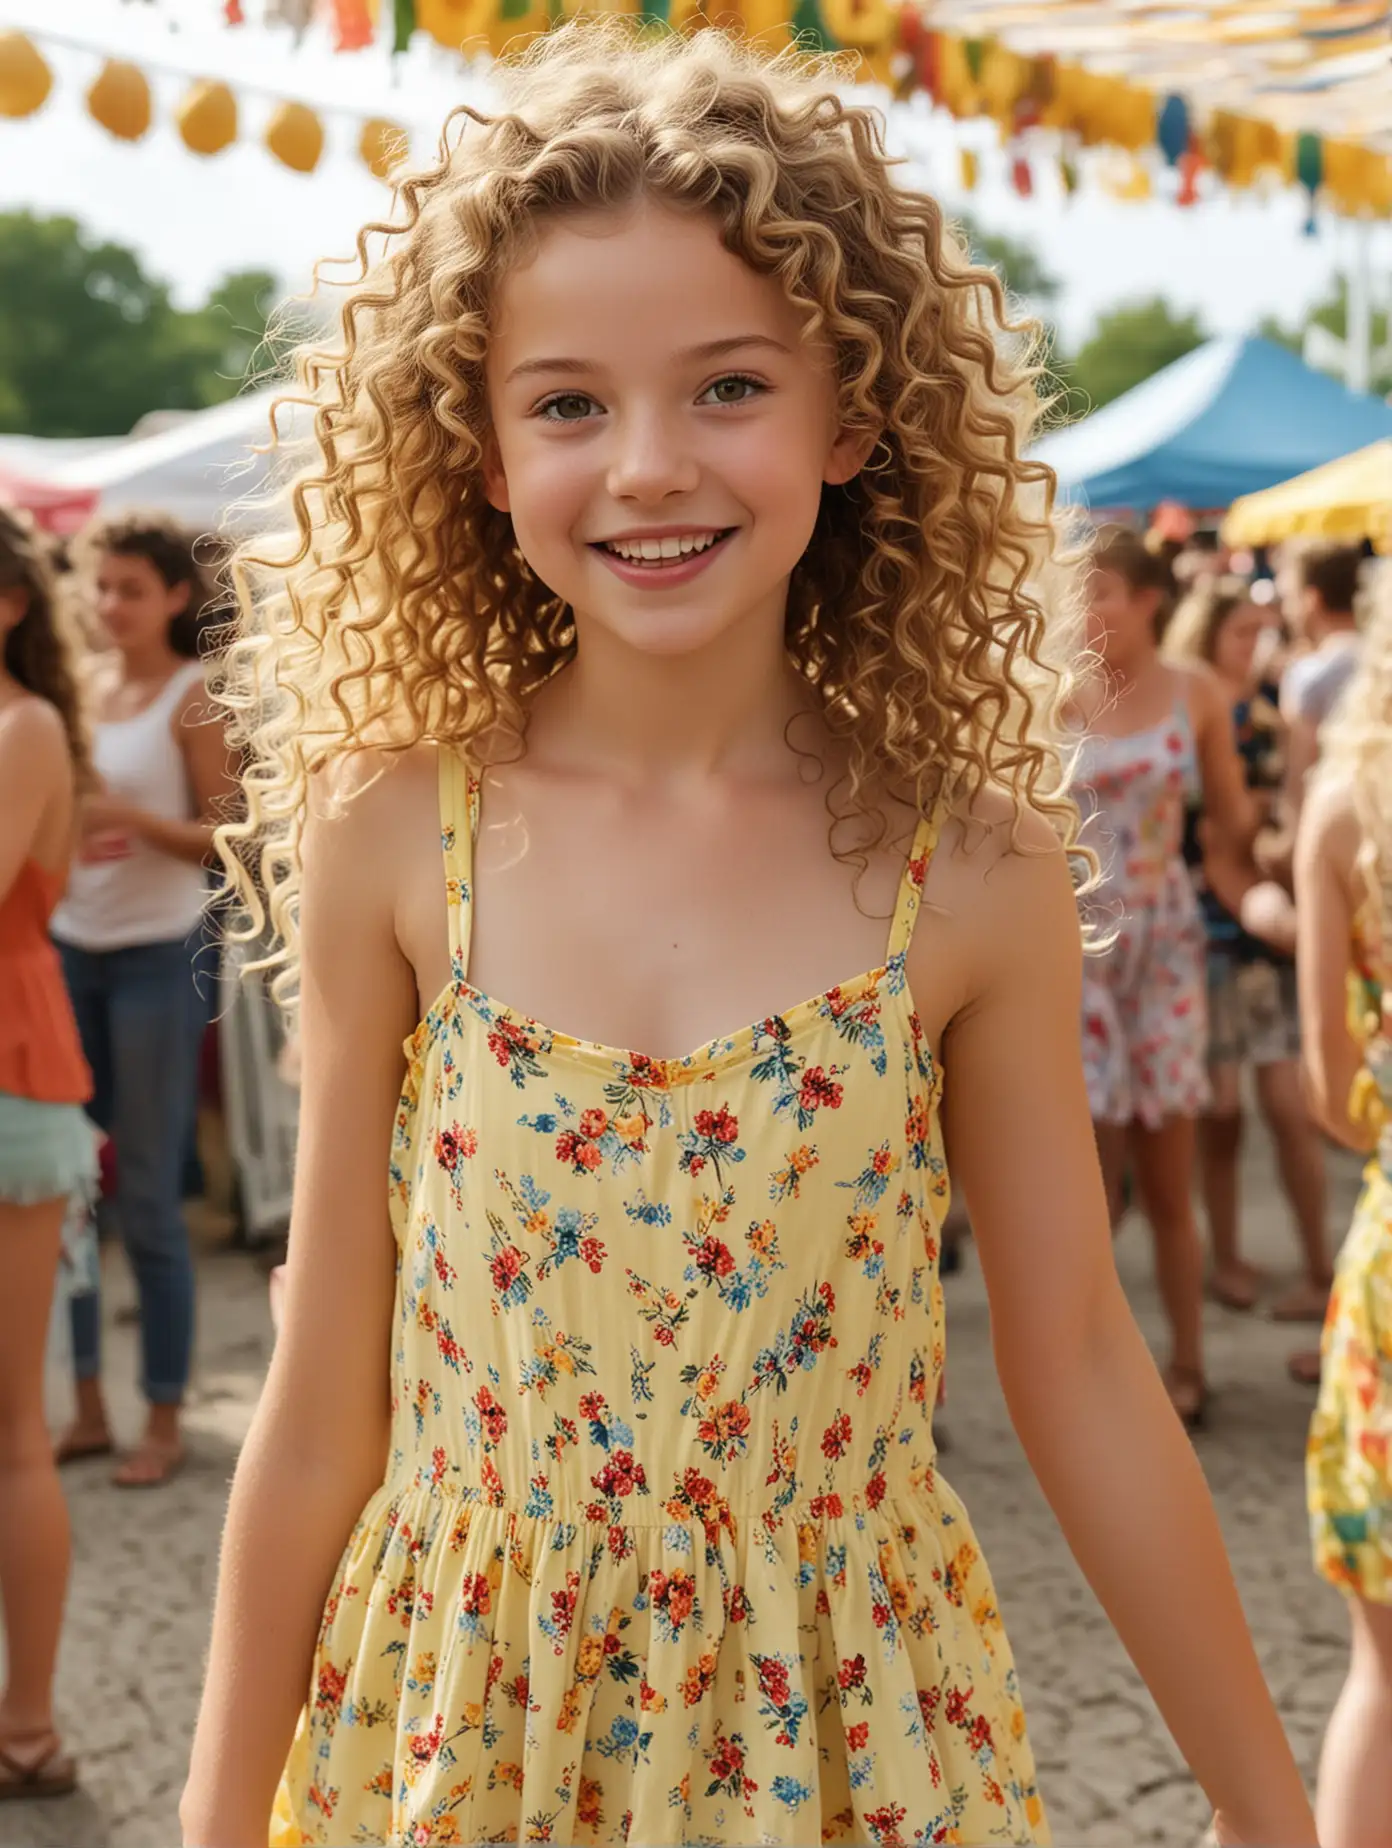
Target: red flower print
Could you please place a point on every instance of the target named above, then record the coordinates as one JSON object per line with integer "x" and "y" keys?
{"x": 851, "y": 1674}
{"x": 858, "y": 1736}
{"x": 928, "y": 1699}
{"x": 738, "y": 1608}
{"x": 493, "y": 1415}
{"x": 621, "y": 1475}
{"x": 773, "y": 1681}
{"x": 955, "y": 1706}
{"x": 883, "y": 1825}
{"x": 836, "y": 1436}
{"x": 475, "y": 1596}
{"x": 454, "y": 1145}
{"x": 506, "y": 1267}
{"x": 592, "y": 1253}
{"x": 328, "y": 1692}
{"x": 584, "y": 1156}
{"x": 592, "y": 1405}
{"x": 713, "y": 1258}
{"x": 875, "y": 1490}
{"x": 818, "y": 1088}
{"x": 593, "y": 1123}
{"x": 717, "y": 1125}
{"x": 880, "y": 1613}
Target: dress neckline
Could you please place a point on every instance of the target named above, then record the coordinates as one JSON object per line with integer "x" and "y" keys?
{"x": 459, "y": 819}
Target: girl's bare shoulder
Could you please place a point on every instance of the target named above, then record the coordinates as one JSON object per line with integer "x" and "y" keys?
{"x": 999, "y": 890}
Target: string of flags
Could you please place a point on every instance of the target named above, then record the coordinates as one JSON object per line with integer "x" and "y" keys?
{"x": 1250, "y": 116}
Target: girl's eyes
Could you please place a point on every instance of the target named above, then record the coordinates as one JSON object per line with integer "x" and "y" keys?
{"x": 571, "y": 407}
{"x": 734, "y": 388}
{"x": 566, "y": 407}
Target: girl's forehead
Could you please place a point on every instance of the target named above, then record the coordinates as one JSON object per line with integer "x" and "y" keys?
{"x": 635, "y": 271}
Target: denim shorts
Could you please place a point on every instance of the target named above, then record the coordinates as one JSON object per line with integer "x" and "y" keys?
{"x": 47, "y": 1151}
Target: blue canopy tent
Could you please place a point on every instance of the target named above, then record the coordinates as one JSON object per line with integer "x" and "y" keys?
{"x": 1234, "y": 416}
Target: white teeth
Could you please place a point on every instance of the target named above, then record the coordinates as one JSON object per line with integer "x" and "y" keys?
{"x": 651, "y": 551}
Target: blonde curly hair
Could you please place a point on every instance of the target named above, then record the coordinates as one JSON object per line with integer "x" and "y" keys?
{"x": 1356, "y": 749}
{"x": 399, "y": 607}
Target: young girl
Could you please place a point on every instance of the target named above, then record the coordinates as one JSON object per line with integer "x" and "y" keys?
{"x": 48, "y": 1155}
{"x": 129, "y": 928}
{"x": 1159, "y": 738}
{"x": 668, "y": 559}
{"x": 1344, "y": 900}
{"x": 1252, "y": 1011}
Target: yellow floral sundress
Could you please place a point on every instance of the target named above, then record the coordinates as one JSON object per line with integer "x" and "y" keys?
{"x": 1349, "y": 1456}
{"x": 662, "y": 1554}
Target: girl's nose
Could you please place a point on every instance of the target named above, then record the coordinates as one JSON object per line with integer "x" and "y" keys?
{"x": 651, "y": 461}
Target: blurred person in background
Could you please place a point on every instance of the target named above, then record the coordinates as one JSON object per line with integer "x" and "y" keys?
{"x": 1343, "y": 877}
{"x": 1321, "y": 585}
{"x": 129, "y": 930}
{"x": 1158, "y": 736}
{"x": 47, "y": 1145}
{"x": 1252, "y": 1005}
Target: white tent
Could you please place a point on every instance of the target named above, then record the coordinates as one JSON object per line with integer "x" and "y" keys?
{"x": 199, "y": 470}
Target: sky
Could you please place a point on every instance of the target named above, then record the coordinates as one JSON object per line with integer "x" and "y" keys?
{"x": 1230, "y": 259}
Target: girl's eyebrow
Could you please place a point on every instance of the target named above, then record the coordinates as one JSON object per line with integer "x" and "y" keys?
{"x": 713, "y": 349}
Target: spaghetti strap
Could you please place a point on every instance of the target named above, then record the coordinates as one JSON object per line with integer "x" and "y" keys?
{"x": 911, "y": 883}
{"x": 459, "y": 797}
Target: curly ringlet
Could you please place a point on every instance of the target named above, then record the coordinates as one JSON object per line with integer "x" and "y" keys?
{"x": 400, "y": 607}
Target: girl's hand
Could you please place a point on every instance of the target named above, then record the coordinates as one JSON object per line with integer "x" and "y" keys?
{"x": 103, "y": 813}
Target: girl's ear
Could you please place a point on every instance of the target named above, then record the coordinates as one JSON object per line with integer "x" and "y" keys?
{"x": 494, "y": 477}
{"x": 849, "y": 454}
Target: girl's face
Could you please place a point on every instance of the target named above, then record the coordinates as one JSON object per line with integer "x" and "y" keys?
{"x": 134, "y": 604}
{"x": 1235, "y": 645}
{"x": 662, "y": 430}
{"x": 1120, "y": 620}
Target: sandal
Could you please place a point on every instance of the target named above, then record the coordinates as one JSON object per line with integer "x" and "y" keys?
{"x": 149, "y": 1466}
{"x": 52, "y": 1774}
{"x": 1188, "y": 1392}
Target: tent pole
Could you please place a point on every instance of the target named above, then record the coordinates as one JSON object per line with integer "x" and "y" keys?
{"x": 1358, "y": 343}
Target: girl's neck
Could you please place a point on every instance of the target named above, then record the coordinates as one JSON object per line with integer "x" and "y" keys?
{"x": 141, "y": 665}
{"x": 653, "y": 719}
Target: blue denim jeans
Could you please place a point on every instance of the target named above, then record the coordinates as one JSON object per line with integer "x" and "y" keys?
{"x": 141, "y": 1022}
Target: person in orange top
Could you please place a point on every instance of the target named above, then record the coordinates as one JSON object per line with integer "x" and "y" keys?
{"x": 47, "y": 1144}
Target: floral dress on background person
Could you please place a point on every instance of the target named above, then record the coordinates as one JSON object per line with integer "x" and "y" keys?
{"x": 1145, "y": 1020}
{"x": 662, "y": 1554}
{"x": 1348, "y": 1468}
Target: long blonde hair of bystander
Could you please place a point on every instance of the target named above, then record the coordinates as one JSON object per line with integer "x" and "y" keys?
{"x": 1356, "y": 753}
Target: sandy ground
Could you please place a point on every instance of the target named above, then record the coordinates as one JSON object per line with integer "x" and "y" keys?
{"x": 145, "y": 1564}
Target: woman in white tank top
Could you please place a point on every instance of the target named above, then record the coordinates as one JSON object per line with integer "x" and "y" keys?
{"x": 128, "y": 930}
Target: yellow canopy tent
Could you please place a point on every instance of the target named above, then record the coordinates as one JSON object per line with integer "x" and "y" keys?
{"x": 1347, "y": 499}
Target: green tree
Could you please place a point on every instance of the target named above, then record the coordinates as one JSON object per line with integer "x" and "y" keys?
{"x": 89, "y": 342}
{"x": 1018, "y": 265}
{"x": 1332, "y": 313}
{"x": 1126, "y": 346}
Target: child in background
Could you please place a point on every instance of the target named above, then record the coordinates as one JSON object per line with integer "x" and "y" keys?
{"x": 1344, "y": 902}
{"x": 670, "y": 560}
{"x": 1159, "y": 739}
{"x": 1252, "y": 1008}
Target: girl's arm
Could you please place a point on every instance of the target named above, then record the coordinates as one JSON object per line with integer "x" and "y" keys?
{"x": 1083, "y": 1393}
{"x": 1229, "y": 809}
{"x": 33, "y": 767}
{"x": 212, "y": 775}
{"x": 1326, "y": 853}
{"x": 318, "y": 1443}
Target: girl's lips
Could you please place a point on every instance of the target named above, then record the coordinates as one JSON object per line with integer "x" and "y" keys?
{"x": 665, "y": 573}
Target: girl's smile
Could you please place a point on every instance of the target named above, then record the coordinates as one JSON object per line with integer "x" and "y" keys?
{"x": 665, "y": 558}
